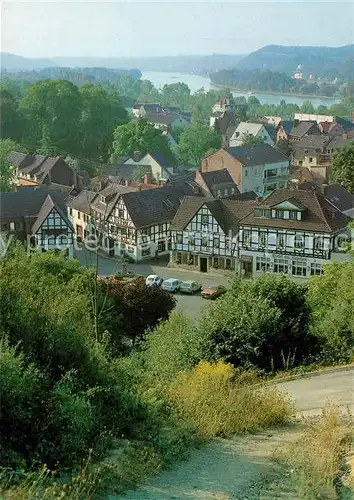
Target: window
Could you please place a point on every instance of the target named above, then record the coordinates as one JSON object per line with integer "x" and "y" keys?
{"x": 262, "y": 264}
{"x": 123, "y": 231}
{"x": 280, "y": 266}
{"x": 262, "y": 212}
{"x": 299, "y": 241}
{"x": 318, "y": 243}
{"x": 79, "y": 215}
{"x": 12, "y": 226}
{"x": 215, "y": 263}
{"x": 204, "y": 241}
{"x": 310, "y": 159}
{"x": 179, "y": 239}
{"x": 161, "y": 246}
{"x": 293, "y": 215}
{"x": 299, "y": 267}
{"x": 145, "y": 252}
{"x": 191, "y": 240}
{"x": 121, "y": 213}
{"x": 263, "y": 238}
{"x": 316, "y": 269}
{"x": 246, "y": 172}
{"x": 280, "y": 240}
{"x": 70, "y": 211}
{"x": 279, "y": 214}
{"x": 247, "y": 236}
{"x": 161, "y": 228}
{"x": 204, "y": 219}
{"x": 130, "y": 249}
{"x": 216, "y": 242}
{"x": 218, "y": 193}
{"x": 226, "y": 192}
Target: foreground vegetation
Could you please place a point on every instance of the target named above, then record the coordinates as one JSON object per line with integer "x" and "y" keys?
{"x": 85, "y": 370}
{"x": 317, "y": 462}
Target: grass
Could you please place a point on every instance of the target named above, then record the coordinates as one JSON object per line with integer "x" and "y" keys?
{"x": 219, "y": 403}
{"x": 316, "y": 461}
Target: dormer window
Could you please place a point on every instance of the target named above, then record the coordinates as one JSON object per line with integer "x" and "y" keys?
{"x": 279, "y": 214}
{"x": 293, "y": 215}
{"x": 262, "y": 212}
{"x": 102, "y": 199}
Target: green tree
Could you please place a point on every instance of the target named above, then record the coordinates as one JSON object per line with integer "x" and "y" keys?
{"x": 343, "y": 166}
{"x": 196, "y": 142}
{"x": 101, "y": 114}
{"x": 10, "y": 119}
{"x": 261, "y": 322}
{"x": 176, "y": 94}
{"x": 139, "y": 136}
{"x": 251, "y": 140}
{"x": 307, "y": 107}
{"x": 284, "y": 147}
{"x": 52, "y": 112}
{"x": 7, "y": 177}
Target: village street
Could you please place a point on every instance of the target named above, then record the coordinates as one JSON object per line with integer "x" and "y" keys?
{"x": 191, "y": 305}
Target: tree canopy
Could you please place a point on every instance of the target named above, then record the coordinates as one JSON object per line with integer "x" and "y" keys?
{"x": 343, "y": 167}
{"x": 6, "y": 173}
{"x": 196, "y": 142}
{"x": 140, "y": 136}
{"x": 251, "y": 140}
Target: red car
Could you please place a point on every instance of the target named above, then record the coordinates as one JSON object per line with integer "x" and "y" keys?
{"x": 213, "y": 291}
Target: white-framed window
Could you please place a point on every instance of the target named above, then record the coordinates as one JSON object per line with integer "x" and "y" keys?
{"x": 179, "y": 239}
{"x": 280, "y": 240}
{"x": 216, "y": 241}
{"x": 299, "y": 241}
{"x": 191, "y": 240}
{"x": 12, "y": 226}
{"x": 70, "y": 211}
{"x": 279, "y": 214}
{"x": 204, "y": 219}
{"x": 204, "y": 241}
{"x": 318, "y": 243}
{"x": 316, "y": 269}
{"x": 299, "y": 267}
{"x": 263, "y": 239}
{"x": 262, "y": 264}
{"x": 293, "y": 215}
{"x": 247, "y": 235}
{"x": 280, "y": 265}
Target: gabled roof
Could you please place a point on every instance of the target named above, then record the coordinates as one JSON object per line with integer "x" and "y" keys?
{"x": 249, "y": 128}
{"x": 226, "y": 212}
{"x": 301, "y": 129}
{"x": 217, "y": 177}
{"x": 338, "y": 141}
{"x": 19, "y": 159}
{"x": 27, "y": 202}
{"x": 287, "y": 126}
{"x": 45, "y": 210}
{"x": 313, "y": 143}
{"x": 246, "y": 196}
{"x": 340, "y": 197}
{"x": 319, "y": 216}
{"x": 256, "y": 155}
{"x": 162, "y": 118}
{"x": 153, "y": 107}
{"x": 153, "y": 206}
{"x": 82, "y": 201}
{"x": 225, "y": 120}
{"x": 161, "y": 160}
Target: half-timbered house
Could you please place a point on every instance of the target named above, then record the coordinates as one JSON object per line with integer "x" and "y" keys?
{"x": 204, "y": 233}
{"x": 292, "y": 232}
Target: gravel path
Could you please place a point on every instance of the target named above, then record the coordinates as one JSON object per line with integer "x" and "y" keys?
{"x": 237, "y": 468}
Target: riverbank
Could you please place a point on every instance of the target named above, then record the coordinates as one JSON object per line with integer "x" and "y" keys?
{"x": 268, "y": 92}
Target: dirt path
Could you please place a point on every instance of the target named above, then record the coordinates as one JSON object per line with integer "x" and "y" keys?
{"x": 237, "y": 468}
{"x": 244, "y": 467}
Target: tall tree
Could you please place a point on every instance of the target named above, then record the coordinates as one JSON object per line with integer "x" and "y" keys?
{"x": 52, "y": 110}
{"x": 6, "y": 173}
{"x": 343, "y": 167}
{"x": 139, "y": 136}
{"x": 101, "y": 113}
{"x": 196, "y": 142}
{"x": 10, "y": 120}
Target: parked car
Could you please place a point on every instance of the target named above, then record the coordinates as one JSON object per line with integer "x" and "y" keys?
{"x": 213, "y": 291}
{"x": 154, "y": 280}
{"x": 172, "y": 285}
{"x": 190, "y": 287}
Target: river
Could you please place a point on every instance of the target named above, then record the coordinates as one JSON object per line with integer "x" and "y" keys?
{"x": 196, "y": 82}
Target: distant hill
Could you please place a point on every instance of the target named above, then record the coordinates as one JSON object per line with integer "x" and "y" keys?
{"x": 328, "y": 62}
{"x": 201, "y": 65}
{"x": 12, "y": 62}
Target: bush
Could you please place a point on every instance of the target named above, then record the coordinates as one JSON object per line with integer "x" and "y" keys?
{"x": 331, "y": 298}
{"x": 261, "y": 323}
{"x": 316, "y": 460}
{"x": 211, "y": 397}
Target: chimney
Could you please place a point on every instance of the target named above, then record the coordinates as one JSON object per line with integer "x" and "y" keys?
{"x": 345, "y": 136}
{"x": 137, "y": 156}
{"x": 147, "y": 179}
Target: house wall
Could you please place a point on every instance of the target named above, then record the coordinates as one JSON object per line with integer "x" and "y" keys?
{"x": 221, "y": 159}
{"x": 281, "y": 134}
{"x": 80, "y": 222}
{"x": 54, "y": 234}
{"x": 263, "y": 134}
{"x": 305, "y": 117}
{"x": 156, "y": 170}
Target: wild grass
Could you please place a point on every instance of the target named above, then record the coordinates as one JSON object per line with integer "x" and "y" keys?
{"x": 316, "y": 461}
{"x": 218, "y": 403}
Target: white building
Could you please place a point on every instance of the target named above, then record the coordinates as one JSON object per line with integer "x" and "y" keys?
{"x": 293, "y": 233}
{"x": 246, "y": 128}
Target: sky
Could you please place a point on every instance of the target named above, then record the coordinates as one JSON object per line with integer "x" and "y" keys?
{"x": 114, "y": 29}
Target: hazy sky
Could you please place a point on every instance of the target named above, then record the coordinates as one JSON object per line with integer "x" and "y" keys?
{"x": 93, "y": 28}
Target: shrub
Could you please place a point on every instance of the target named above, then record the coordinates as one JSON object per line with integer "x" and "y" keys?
{"x": 261, "y": 323}
{"x": 331, "y": 297}
{"x": 211, "y": 398}
{"x": 316, "y": 460}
